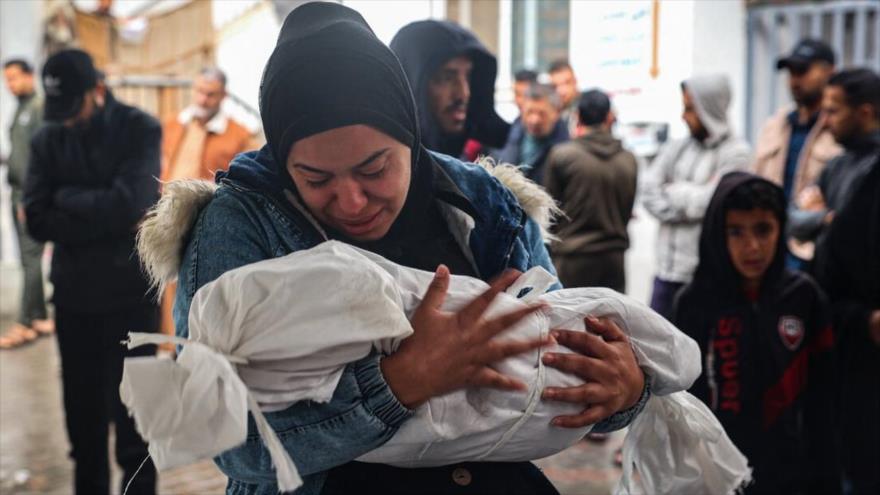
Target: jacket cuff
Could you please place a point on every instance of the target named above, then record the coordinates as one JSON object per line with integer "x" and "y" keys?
{"x": 377, "y": 395}
{"x": 623, "y": 418}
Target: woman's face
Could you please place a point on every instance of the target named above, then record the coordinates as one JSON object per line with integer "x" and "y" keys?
{"x": 353, "y": 179}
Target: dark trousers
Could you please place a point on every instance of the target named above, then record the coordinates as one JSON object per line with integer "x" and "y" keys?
{"x": 91, "y": 370}
{"x": 592, "y": 270}
{"x": 33, "y": 301}
{"x": 468, "y": 478}
{"x": 663, "y": 296}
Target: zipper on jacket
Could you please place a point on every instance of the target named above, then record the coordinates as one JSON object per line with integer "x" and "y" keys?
{"x": 522, "y": 225}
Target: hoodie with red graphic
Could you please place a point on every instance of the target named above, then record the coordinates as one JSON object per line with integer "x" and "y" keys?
{"x": 768, "y": 371}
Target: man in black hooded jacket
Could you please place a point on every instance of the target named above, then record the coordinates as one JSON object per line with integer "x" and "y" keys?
{"x": 848, "y": 267}
{"x": 92, "y": 175}
{"x": 452, "y": 76}
{"x": 766, "y": 338}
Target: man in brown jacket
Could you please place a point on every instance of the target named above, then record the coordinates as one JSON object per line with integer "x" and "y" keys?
{"x": 594, "y": 180}
{"x": 201, "y": 140}
{"x": 794, "y": 145}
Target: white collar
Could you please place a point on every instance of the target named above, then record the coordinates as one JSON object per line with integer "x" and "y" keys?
{"x": 217, "y": 125}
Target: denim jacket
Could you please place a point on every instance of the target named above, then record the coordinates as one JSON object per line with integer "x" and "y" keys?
{"x": 249, "y": 219}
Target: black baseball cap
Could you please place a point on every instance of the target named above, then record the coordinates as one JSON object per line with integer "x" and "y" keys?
{"x": 805, "y": 53}
{"x": 593, "y": 107}
{"x": 67, "y": 77}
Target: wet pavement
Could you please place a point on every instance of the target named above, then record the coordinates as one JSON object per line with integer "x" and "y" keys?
{"x": 33, "y": 441}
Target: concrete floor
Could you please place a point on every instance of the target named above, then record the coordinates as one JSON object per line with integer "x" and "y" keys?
{"x": 33, "y": 442}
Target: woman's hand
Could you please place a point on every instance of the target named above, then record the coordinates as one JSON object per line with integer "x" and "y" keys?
{"x": 449, "y": 351}
{"x": 605, "y": 361}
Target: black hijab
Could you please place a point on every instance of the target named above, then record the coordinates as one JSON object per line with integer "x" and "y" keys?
{"x": 329, "y": 70}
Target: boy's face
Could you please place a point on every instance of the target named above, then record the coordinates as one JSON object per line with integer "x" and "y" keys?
{"x": 752, "y": 236}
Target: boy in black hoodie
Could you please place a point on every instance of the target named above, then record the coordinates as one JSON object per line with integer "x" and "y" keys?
{"x": 766, "y": 338}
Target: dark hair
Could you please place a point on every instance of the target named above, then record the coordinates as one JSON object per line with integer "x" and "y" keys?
{"x": 214, "y": 74}
{"x": 525, "y": 75}
{"x": 538, "y": 91}
{"x": 20, "y": 63}
{"x": 755, "y": 194}
{"x": 558, "y": 65}
{"x": 593, "y": 107}
{"x": 860, "y": 86}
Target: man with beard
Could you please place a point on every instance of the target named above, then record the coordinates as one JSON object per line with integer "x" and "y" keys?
{"x": 565, "y": 82}
{"x": 201, "y": 140}
{"x": 848, "y": 268}
{"x": 535, "y": 133}
{"x": 794, "y": 145}
{"x": 678, "y": 185}
{"x": 452, "y": 76}
{"x": 851, "y": 119}
{"x": 92, "y": 175}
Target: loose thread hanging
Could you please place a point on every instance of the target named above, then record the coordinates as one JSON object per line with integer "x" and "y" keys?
{"x": 128, "y": 485}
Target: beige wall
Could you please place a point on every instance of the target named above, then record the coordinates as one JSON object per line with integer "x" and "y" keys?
{"x": 482, "y": 15}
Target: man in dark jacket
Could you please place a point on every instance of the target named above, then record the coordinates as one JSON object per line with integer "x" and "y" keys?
{"x": 594, "y": 180}
{"x": 452, "y": 76}
{"x": 539, "y": 129}
{"x": 90, "y": 180}
{"x": 33, "y": 319}
{"x": 848, "y": 267}
{"x": 850, "y": 103}
{"x": 766, "y": 338}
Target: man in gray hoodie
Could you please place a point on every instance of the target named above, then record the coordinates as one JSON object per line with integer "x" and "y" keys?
{"x": 678, "y": 185}
{"x": 594, "y": 180}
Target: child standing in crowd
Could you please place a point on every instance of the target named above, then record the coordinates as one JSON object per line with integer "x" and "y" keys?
{"x": 766, "y": 339}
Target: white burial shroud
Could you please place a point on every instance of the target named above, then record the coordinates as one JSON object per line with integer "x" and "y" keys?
{"x": 273, "y": 333}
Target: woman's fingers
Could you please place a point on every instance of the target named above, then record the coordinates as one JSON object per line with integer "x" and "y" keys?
{"x": 605, "y": 327}
{"x": 487, "y": 377}
{"x": 592, "y": 395}
{"x": 475, "y": 309}
{"x": 436, "y": 293}
{"x": 498, "y": 351}
{"x": 588, "y": 393}
{"x": 502, "y": 323}
{"x": 588, "y": 416}
{"x": 585, "y": 367}
{"x": 584, "y": 343}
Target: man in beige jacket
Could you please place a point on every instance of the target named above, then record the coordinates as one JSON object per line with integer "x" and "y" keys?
{"x": 794, "y": 145}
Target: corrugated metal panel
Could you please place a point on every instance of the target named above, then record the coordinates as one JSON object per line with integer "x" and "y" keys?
{"x": 853, "y": 30}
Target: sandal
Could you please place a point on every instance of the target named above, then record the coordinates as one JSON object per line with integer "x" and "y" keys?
{"x": 43, "y": 327}
{"x": 17, "y": 336}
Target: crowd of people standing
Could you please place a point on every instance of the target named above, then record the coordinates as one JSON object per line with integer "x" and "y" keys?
{"x": 768, "y": 256}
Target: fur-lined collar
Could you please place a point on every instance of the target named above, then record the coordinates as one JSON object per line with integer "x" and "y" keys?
{"x": 165, "y": 228}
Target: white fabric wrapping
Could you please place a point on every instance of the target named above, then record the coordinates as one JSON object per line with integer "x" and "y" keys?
{"x": 679, "y": 447}
{"x": 293, "y": 323}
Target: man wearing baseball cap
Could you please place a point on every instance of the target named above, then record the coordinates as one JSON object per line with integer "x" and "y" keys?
{"x": 794, "y": 145}
{"x": 91, "y": 178}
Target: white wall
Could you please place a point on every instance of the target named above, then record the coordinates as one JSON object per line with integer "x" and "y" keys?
{"x": 610, "y": 48}
{"x": 720, "y": 38}
{"x": 386, "y": 17}
{"x": 243, "y": 47}
{"x": 19, "y": 37}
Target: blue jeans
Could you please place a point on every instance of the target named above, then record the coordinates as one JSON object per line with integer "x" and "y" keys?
{"x": 663, "y": 296}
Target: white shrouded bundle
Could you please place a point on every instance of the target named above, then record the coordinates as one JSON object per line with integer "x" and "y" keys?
{"x": 279, "y": 331}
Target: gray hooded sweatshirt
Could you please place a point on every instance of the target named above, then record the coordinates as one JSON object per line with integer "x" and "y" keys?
{"x": 678, "y": 185}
